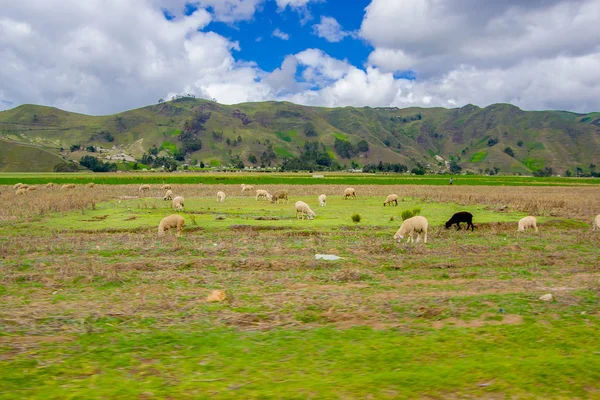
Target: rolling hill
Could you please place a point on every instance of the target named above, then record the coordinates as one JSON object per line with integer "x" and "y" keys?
{"x": 475, "y": 138}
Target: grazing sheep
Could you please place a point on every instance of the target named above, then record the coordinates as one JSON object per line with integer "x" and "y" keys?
{"x": 247, "y": 188}
{"x": 68, "y": 186}
{"x": 49, "y": 184}
{"x": 144, "y": 188}
{"x": 24, "y": 186}
{"x": 262, "y": 194}
{"x": 168, "y": 195}
{"x": 280, "y": 195}
{"x": 178, "y": 203}
{"x": 411, "y": 226}
{"x": 527, "y": 222}
{"x": 91, "y": 184}
{"x": 392, "y": 198}
{"x": 30, "y": 188}
{"x": 596, "y": 224}
{"x": 220, "y": 197}
{"x": 349, "y": 193}
{"x": 459, "y": 217}
{"x": 322, "y": 200}
{"x": 170, "y": 222}
{"x": 17, "y": 186}
{"x": 20, "y": 191}
{"x": 303, "y": 209}
{"x": 165, "y": 187}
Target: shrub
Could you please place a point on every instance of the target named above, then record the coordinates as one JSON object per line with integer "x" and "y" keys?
{"x": 356, "y": 217}
{"x": 406, "y": 214}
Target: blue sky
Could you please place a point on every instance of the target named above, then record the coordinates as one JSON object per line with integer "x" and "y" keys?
{"x": 106, "y": 56}
{"x": 258, "y": 44}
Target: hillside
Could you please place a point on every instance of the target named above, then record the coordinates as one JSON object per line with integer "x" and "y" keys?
{"x": 268, "y": 132}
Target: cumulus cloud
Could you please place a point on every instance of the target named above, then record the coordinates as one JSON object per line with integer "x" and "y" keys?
{"x": 279, "y": 34}
{"x": 300, "y": 6}
{"x": 330, "y": 30}
{"x": 221, "y": 10}
{"x": 106, "y": 56}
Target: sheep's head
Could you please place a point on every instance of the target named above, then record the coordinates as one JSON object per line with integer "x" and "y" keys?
{"x": 399, "y": 235}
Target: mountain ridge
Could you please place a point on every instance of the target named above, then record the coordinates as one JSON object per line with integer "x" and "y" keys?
{"x": 500, "y": 136}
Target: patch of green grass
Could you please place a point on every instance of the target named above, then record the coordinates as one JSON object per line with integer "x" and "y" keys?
{"x": 479, "y": 156}
{"x": 534, "y": 163}
{"x": 168, "y": 146}
{"x": 286, "y": 136}
{"x": 283, "y": 152}
{"x": 214, "y": 163}
{"x": 340, "y": 136}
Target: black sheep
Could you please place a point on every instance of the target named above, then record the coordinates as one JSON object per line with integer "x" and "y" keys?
{"x": 459, "y": 217}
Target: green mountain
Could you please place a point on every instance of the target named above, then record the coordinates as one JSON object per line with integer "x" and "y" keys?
{"x": 475, "y": 138}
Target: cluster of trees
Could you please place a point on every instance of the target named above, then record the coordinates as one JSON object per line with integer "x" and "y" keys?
{"x": 152, "y": 160}
{"x": 309, "y": 130}
{"x": 492, "y": 142}
{"x": 385, "y": 167}
{"x": 416, "y": 117}
{"x": 103, "y": 135}
{"x": 347, "y": 150}
{"x": 96, "y": 165}
{"x": 190, "y": 136}
{"x": 66, "y": 167}
{"x": 314, "y": 156}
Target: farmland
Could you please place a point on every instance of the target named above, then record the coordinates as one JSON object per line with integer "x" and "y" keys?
{"x": 93, "y": 304}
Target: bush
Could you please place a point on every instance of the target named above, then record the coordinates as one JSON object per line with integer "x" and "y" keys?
{"x": 509, "y": 151}
{"x": 356, "y": 217}
{"x": 406, "y": 214}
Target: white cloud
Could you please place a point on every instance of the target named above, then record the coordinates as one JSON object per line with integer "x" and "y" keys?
{"x": 82, "y": 56}
{"x": 300, "y": 6}
{"x": 279, "y": 34}
{"x": 330, "y": 30}
{"x": 106, "y": 56}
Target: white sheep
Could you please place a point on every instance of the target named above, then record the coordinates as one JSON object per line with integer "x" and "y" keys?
{"x": 168, "y": 195}
{"x": 20, "y": 192}
{"x": 279, "y": 195}
{"x": 49, "y": 184}
{"x": 24, "y": 186}
{"x": 392, "y": 198}
{"x": 411, "y": 226}
{"x": 596, "y": 224}
{"x": 165, "y": 187}
{"x": 303, "y": 209}
{"x": 144, "y": 188}
{"x": 17, "y": 186}
{"x": 91, "y": 184}
{"x": 178, "y": 203}
{"x": 527, "y": 222}
{"x": 220, "y": 197}
{"x": 170, "y": 222}
{"x": 322, "y": 200}
{"x": 68, "y": 186}
{"x": 30, "y": 188}
{"x": 349, "y": 192}
{"x": 262, "y": 194}
{"x": 247, "y": 188}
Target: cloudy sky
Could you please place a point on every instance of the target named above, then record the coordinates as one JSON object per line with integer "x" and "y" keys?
{"x": 106, "y": 56}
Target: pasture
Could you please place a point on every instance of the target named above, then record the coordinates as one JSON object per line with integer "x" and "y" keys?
{"x": 93, "y": 304}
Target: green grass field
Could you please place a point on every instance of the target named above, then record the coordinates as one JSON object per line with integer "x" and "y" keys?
{"x": 287, "y": 178}
{"x": 93, "y": 304}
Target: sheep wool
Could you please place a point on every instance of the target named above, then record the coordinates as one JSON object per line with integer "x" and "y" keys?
{"x": 527, "y": 222}
{"x": 322, "y": 200}
{"x": 304, "y": 210}
{"x": 349, "y": 193}
{"x": 411, "y": 226}
{"x": 178, "y": 203}
{"x": 170, "y": 222}
{"x": 392, "y": 198}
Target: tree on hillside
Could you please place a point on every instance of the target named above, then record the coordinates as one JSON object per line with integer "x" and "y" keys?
{"x": 344, "y": 148}
{"x": 454, "y": 167}
{"x": 97, "y": 165}
{"x": 309, "y": 130}
{"x": 362, "y": 146}
{"x": 509, "y": 151}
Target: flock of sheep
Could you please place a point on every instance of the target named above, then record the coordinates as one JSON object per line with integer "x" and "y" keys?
{"x": 416, "y": 225}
